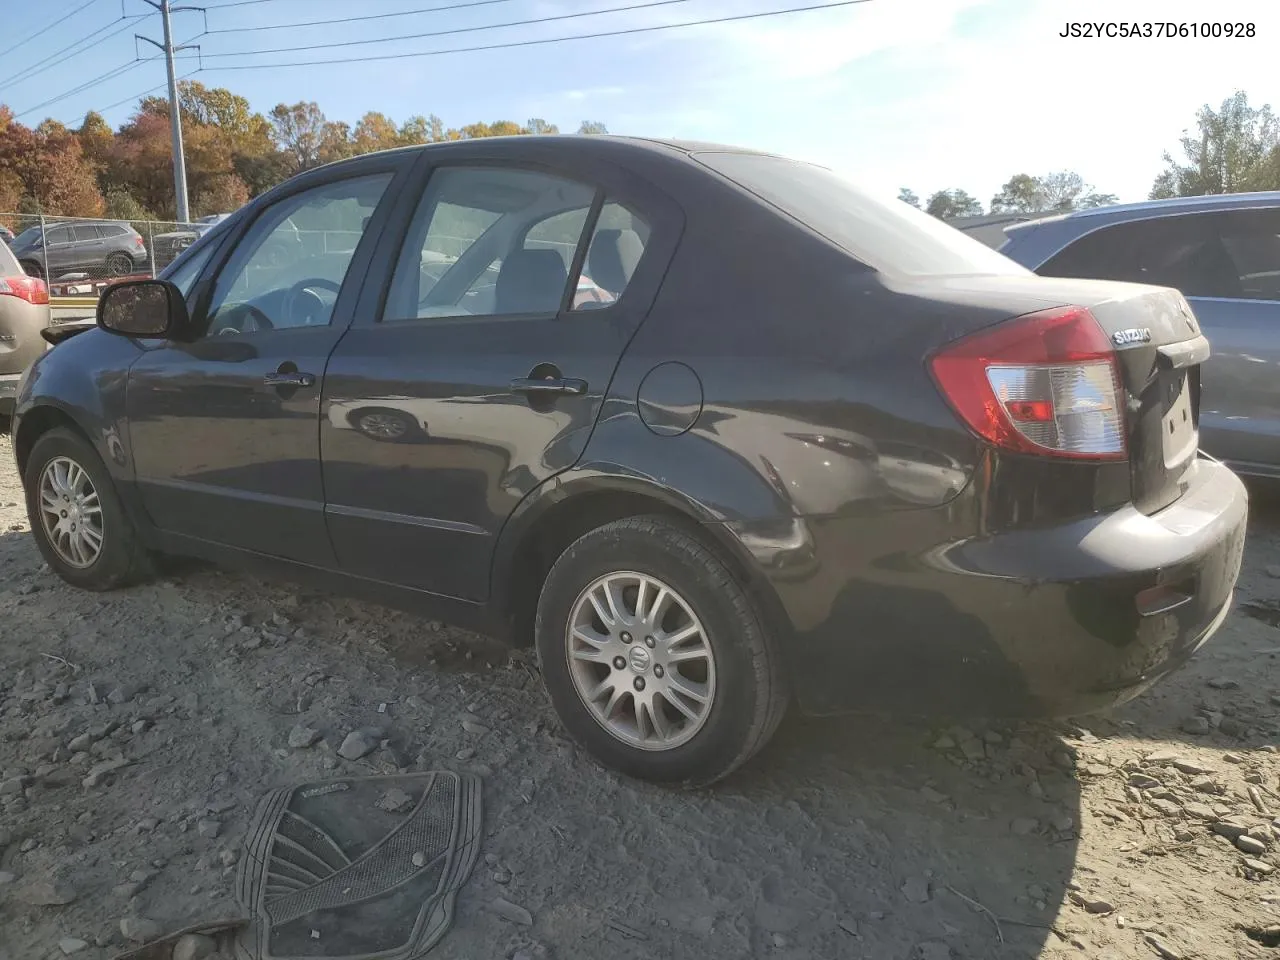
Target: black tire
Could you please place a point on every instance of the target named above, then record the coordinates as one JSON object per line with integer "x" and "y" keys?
{"x": 750, "y": 689}
{"x": 123, "y": 560}
{"x": 119, "y": 265}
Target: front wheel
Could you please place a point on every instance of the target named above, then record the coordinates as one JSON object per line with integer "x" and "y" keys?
{"x": 77, "y": 519}
{"x": 654, "y": 656}
{"x": 119, "y": 265}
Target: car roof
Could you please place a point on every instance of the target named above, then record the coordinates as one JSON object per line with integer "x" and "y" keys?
{"x": 1146, "y": 209}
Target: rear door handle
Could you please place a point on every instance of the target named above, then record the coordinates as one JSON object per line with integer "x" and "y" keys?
{"x": 292, "y": 378}
{"x": 549, "y": 387}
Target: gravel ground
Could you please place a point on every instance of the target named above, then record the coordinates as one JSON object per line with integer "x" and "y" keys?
{"x": 138, "y": 729}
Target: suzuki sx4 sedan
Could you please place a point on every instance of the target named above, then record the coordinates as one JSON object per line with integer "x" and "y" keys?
{"x": 798, "y": 445}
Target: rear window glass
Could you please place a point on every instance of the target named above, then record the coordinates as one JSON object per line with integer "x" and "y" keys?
{"x": 8, "y": 262}
{"x": 885, "y": 234}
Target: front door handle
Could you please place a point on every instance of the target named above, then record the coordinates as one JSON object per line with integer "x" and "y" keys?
{"x": 291, "y": 378}
{"x": 550, "y": 386}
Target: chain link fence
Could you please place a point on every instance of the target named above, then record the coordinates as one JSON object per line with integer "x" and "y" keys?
{"x": 79, "y": 257}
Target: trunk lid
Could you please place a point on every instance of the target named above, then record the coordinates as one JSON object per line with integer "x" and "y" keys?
{"x": 1158, "y": 348}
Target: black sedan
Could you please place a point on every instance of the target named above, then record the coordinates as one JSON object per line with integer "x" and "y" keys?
{"x": 806, "y": 444}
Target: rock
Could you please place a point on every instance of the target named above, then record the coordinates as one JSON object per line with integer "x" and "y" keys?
{"x": 139, "y": 726}
{"x": 7, "y": 878}
{"x": 466, "y": 753}
{"x": 1233, "y": 758}
{"x": 474, "y": 727}
{"x": 512, "y": 912}
{"x": 1230, "y": 828}
{"x": 1190, "y": 767}
{"x": 360, "y": 743}
{"x": 502, "y": 876}
{"x": 991, "y": 736}
{"x": 1273, "y": 570}
{"x": 1231, "y": 727}
{"x": 973, "y": 750}
{"x": 140, "y": 929}
{"x": 80, "y": 743}
{"x": 944, "y": 742}
{"x": 193, "y": 946}
{"x": 1097, "y": 770}
{"x": 419, "y": 859}
{"x": 1161, "y": 756}
{"x": 1197, "y": 726}
{"x": 1250, "y": 845}
{"x": 70, "y": 945}
{"x": 1204, "y": 785}
{"x": 932, "y": 795}
{"x": 1200, "y": 811}
{"x": 1063, "y": 823}
{"x": 394, "y": 801}
{"x": 1260, "y": 867}
{"x": 933, "y": 950}
{"x": 916, "y": 889}
{"x": 1222, "y": 683}
{"x": 99, "y": 771}
{"x": 1099, "y": 906}
{"x": 1143, "y": 782}
{"x": 123, "y": 693}
{"x": 1167, "y": 807}
{"x": 47, "y": 893}
{"x": 1024, "y": 826}
{"x": 1159, "y": 946}
{"x": 12, "y": 787}
{"x": 228, "y": 857}
{"x": 208, "y": 828}
{"x": 303, "y": 736}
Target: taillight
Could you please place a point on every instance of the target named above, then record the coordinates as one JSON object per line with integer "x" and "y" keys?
{"x": 30, "y": 289}
{"x": 1045, "y": 383}
{"x": 137, "y": 242}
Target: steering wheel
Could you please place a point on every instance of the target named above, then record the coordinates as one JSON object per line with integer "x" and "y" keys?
{"x": 303, "y": 291}
{"x": 229, "y": 321}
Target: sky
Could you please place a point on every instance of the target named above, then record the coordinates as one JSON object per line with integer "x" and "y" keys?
{"x": 924, "y": 94}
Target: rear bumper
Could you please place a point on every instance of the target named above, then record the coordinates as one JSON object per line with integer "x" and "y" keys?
{"x": 1053, "y": 621}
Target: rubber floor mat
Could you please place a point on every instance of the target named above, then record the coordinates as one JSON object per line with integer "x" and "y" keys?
{"x": 358, "y": 868}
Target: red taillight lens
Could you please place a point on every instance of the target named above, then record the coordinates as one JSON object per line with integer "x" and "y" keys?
{"x": 1045, "y": 383}
{"x": 30, "y": 289}
{"x": 137, "y": 242}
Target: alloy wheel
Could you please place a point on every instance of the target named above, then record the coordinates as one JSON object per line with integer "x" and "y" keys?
{"x": 71, "y": 512}
{"x": 640, "y": 660}
{"x": 384, "y": 426}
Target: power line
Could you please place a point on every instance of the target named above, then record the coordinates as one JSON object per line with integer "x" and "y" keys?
{"x": 239, "y": 3}
{"x": 547, "y": 40}
{"x": 109, "y": 75}
{"x": 457, "y": 30}
{"x": 51, "y": 60}
{"x": 144, "y": 93}
{"x": 36, "y": 33}
{"x": 372, "y": 16}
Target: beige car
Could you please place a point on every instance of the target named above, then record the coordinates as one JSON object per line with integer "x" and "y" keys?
{"x": 24, "y": 313}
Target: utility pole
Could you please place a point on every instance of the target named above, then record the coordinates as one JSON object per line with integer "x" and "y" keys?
{"x": 175, "y": 112}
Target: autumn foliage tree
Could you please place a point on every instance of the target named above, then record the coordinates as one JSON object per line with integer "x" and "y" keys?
{"x": 232, "y": 153}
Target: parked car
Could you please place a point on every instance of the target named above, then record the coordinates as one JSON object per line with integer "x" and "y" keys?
{"x": 168, "y": 245}
{"x": 99, "y": 249}
{"x": 818, "y": 445}
{"x": 24, "y": 313}
{"x": 1223, "y": 253}
{"x": 6, "y": 235}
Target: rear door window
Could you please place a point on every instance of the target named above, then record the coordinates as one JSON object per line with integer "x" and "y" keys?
{"x": 1232, "y": 256}
{"x": 883, "y": 233}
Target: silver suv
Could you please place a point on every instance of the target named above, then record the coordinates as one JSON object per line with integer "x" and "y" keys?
{"x": 24, "y": 312}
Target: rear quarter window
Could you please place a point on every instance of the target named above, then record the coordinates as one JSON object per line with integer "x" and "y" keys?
{"x": 886, "y": 234}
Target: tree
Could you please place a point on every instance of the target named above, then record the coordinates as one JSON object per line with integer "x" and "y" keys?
{"x": 1235, "y": 148}
{"x": 539, "y": 127}
{"x": 946, "y": 204}
{"x": 907, "y": 196}
{"x": 592, "y": 127}
{"x": 1022, "y": 193}
{"x": 1061, "y": 190}
{"x": 297, "y": 130}
{"x": 1091, "y": 200}
{"x": 122, "y": 205}
{"x": 46, "y": 168}
{"x": 375, "y": 131}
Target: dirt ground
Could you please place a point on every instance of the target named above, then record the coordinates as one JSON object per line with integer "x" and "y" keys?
{"x": 138, "y": 729}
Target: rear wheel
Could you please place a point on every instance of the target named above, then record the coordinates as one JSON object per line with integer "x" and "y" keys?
{"x": 380, "y": 423}
{"x": 654, "y": 655}
{"x": 119, "y": 265}
{"x": 76, "y": 517}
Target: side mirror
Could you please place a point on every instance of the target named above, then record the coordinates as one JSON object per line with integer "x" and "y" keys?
{"x": 143, "y": 308}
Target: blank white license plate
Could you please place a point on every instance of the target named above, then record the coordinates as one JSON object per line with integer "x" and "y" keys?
{"x": 1179, "y": 434}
